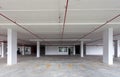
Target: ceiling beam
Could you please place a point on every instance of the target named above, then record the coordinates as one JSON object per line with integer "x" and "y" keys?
{"x": 97, "y": 28}
{"x": 20, "y": 40}
{"x": 17, "y": 24}
{"x": 111, "y": 9}
{"x": 28, "y": 24}
{"x": 101, "y": 39}
{"x": 60, "y": 40}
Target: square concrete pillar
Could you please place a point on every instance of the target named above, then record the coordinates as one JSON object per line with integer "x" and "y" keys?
{"x": 3, "y": 50}
{"x": 74, "y": 50}
{"x": 116, "y": 48}
{"x": 12, "y": 47}
{"x": 108, "y": 46}
{"x": 38, "y": 49}
{"x": 23, "y": 50}
{"x": 81, "y": 49}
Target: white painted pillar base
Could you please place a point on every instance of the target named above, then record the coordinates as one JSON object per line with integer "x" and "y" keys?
{"x": 108, "y": 46}
{"x": 12, "y": 47}
{"x": 117, "y": 48}
{"x": 81, "y": 49}
{"x": 3, "y": 50}
{"x": 38, "y": 49}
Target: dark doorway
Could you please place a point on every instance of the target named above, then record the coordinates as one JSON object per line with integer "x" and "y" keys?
{"x": 70, "y": 50}
{"x": 77, "y": 49}
{"x": 33, "y": 50}
{"x": 42, "y": 50}
{"x": 84, "y": 49}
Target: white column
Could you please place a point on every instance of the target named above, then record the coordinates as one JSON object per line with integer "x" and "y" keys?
{"x": 3, "y": 50}
{"x": 0, "y": 49}
{"x": 12, "y": 47}
{"x": 74, "y": 50}
{"x": 108, "y": 46}
{"x": 117, "y": 48}
{"x": 23, "y": 50}
{"x": 81, "y": 49}
{"x": 38, "y": 49}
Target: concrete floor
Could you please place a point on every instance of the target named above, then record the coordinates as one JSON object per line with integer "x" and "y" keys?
{"x": 60, "y": 66}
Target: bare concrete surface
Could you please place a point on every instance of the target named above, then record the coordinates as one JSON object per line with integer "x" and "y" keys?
{"x": 60, "y": 66}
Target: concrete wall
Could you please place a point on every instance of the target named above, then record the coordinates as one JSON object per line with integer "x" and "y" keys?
{"x": 54, "y": 50}
{"x": 90, "y": 50}
{"x": 94, "y": 50}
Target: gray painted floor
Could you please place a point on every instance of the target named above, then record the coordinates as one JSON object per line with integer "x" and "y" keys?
{"x": 60, "y": 66}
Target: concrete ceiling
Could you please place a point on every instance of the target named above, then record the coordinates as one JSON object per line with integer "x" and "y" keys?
{"x": 45, "y": 18}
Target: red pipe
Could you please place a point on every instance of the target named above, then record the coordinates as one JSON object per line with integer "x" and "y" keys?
{"x": 66, "y": 8}
{"x": 21, "y": 26}
{"x": 100, "y": 26}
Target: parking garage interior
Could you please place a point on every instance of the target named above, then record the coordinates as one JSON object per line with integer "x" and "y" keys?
{"x": 60, "y": 38}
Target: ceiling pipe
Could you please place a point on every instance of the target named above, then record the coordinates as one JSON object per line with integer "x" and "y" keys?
{"x": 65, "y": 15}
{"x": 21, "y": 26}
{"x": 100, "y": 26}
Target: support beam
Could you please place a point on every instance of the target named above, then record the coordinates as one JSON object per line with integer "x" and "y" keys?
{"x": 38, "y": 49}
{"x": 3, "y": 50}
{"x": 81, "y": 49}
{"x": 108, "y": 46}
{"x": 117, "y": 48}
{"x": 12, "y": 47}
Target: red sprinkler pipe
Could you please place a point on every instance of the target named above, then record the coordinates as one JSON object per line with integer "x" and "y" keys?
{"x": 66, "y": 8}
{"x": 100, "y": 26}
{"x": 21, "y": 26}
